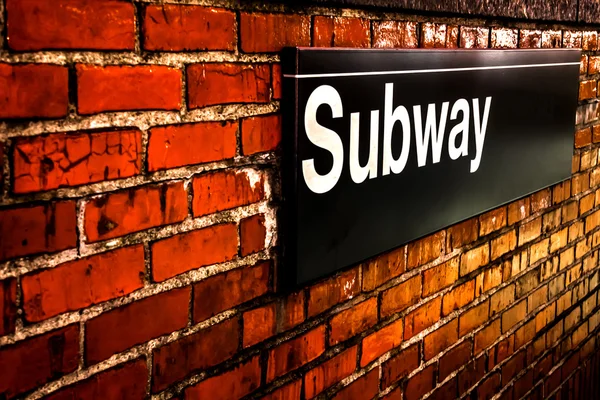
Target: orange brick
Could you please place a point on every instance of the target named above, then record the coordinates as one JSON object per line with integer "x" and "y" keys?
{"x": 440, "y": 339}
{"x": 492, "y": 221}
{"x": 395, "y": 34}
{"x": 518, "y": 210}
{"x": 442, "y": 276}
{"x": 341, "y": 32}
{"x": 260, "y": 134}
{"x": 353, "y": 321}
{"x": 488, "y": 335}
{"x": 401, "y": 297}
{"x": 462, "y": 234}
{"x": 583, "y": 137}
{"x": 540, "y": 200}
{"x": 454, "y": 359}
{"x": 425, "y": 250}
{"x": 400, "y": 365}
{"x": 367, "y": 386}
{"x": 530, "y": 231}
{"x": 473, "y": 318}
{"x": 524, "y": 334}
{"x": 253, "y": 234}
{"x": 502, "y": 299}
{"x": 513, "y": 316}
{"x": 422, "y": 318}
{"x": 272, "y": 32}
{"x": 259, "y": 324}
{"x": 458, "y": 297}
{"x": 587, "y": 90}
{"x": 332, "y": 371}
{"x": 338, "y": 289}
{"x": 380, "y": 342}
{"x": 420, "y": 384}
{"x": 295, "y": 353}
{"x": 383, "y": 268}
{"x": 474, "y": 259}
{"x": 538, "y": 251}
{"x": 504, "y": 244}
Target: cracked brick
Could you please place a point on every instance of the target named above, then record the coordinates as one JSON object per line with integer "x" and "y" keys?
{"x": 62, "y": 160}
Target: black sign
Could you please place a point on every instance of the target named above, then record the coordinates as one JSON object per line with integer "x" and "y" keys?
{"x": 382, "y": 147}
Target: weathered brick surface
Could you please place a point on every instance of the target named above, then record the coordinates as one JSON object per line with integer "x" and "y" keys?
{"x": 33, "y": 91}
{"x": 210, "y": 84}
{"x": 47, "y": 228}
{"x": 63, "y": 160}
{"x": 71, "y": 24}
{"x": 124, "y": 88}
{"x": 180, "y": 145}
{"x": 179, "y": 28}
{"x": 134, "y": 210}
{"x": 78, "y": 284}
{"x": 142, "y": 236}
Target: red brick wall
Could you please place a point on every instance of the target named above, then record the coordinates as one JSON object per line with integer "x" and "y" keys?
{"x": 139, "y": 239}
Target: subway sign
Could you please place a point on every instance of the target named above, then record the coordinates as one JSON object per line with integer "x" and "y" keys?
{"x": 382, "y": 147}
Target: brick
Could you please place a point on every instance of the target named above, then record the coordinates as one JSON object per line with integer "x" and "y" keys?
{"x": 296, "y": 352}
{"x": 530, "y": 231}
{"x": 586, "y": 203}
{"x": 179, "y": 28}
{"x": 474, "y": 37}
{"x": 127, "y": 381}
{"x": 260, "y": 134}
{"x": 253, "y": 234}
{"x": 590, "y": 40}
{"x": 143, "y": 320}
{"x": 492, "y": 221}
{"x": 454, "y": 359}
{"x": 420, "y": 384}
{"x": 558, "y": 240}
{"x": 575, "y": 163}
{"x": 504, "y": 38}
{"x": 440, "y": 277}
{"x": 45, "y": 228}
{"x": 518, "y": 210}
{"x": 425, "y": 250}
{"x": 291, "y": 311}
{"x": 422, "y": 318}
{"x": 514, "y": 315}
{"x": 504, "y": 244}
{"x": 400, "y": 297}
{"x": 125, "y": 88}
{"x": 206, "y": 348}
{"x": 353, "y": 321}
{"x": 572, "y": 319}
{"x": 580, "y": 334}
{"x": 245, "y": 83}
{"x": 289, "y": 391}
{"x": 515, "y": 365}
{"x": 33, "y": 91}
{"x": 583, "y": 137}
{"x": 192, "y": 250}
{"x": 588, "y": 159}
{"x": 473, "y": 259}
{"x": 458, "y": 297}
{"x": 561, "y": 192}
{"x": 438, "y": 35}
{"x": 180, "y": 145}
{"x": 488, "y": 335}
{"x": 338, "y": 289}
{"x": 259, "y": 324}
{"x": 231, "y": 385}
{"x": 399, "y": 366}
{"x": 473, "y": 318}
{"x": 528, "y": 282}
{"x": 440, "y": 339}
{"x": 567, "y": 257}
{"x": 223, "y": 190}
{"x": 383, "y": 268}
{"x": 276, "y": 77}
{"x": 271, "y": 32}
{"x": 133, "y": 210}
{"x": 35, "y": 361}
{"x": 524, "y": 334}
{"x": 580, "y": 183}
{"x": 530, "y": 39}
{"x": 571, "y": 39}
{"x": 341, "y": 32}
{"x": 395, "y": 34}
{"x": 367, "y": 386}
{"x": 504, "y": 350}
{"x": 592, "y": 221}
{"x": 594, "y": 65}
{"x": 551, "y": 221}
{"x": 537, "y": 298}
{"x": 229, "y": 289}
{"x": 489, "y": 387}
{"x": 81, "y": 283}
{"x": 587, "y": 90}
{"x": 596, "y": 134}
{"x": 502, "y": 299}
{"x": 462, "y": 234}
{"x": 473, "y": 372}
{"x": 380, "y": 342}
{"x": 72, "y": 24}
{"x": 8, "y": 306}
{"x": 490, "y": 278}
{"x": 330, "y": 372}
{"x": 65, "y": 160}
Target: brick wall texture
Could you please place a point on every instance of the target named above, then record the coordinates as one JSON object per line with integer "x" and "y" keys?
{"x": 140, "y": 176}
